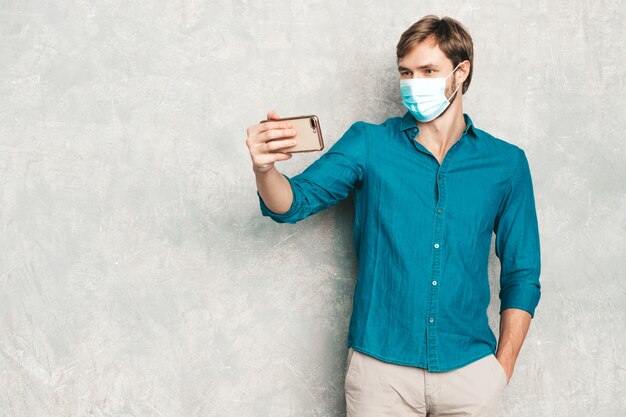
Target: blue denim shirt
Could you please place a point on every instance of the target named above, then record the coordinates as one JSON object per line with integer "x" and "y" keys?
{"x": 422, "y": 234}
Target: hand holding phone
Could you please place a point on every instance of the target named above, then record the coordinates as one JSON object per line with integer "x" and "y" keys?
{"x": 308, "y": 134}
{"x": 262, "y": 141}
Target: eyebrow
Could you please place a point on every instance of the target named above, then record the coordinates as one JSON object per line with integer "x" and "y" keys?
{"x": 401, "y": 68}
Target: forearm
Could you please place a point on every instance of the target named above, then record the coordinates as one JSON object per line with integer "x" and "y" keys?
{"x": 274, "y": 189}
{"x": 514, "y": 325}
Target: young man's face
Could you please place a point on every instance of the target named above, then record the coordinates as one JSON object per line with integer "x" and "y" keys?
{"x": 426, "y": 60}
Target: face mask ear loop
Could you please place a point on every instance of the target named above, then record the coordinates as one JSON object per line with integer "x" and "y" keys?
{"x": 457, "y": 88}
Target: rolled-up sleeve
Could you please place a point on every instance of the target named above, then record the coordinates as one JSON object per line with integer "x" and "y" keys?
{"x": 517, "y": 242}
{"x": 328, "y": 179}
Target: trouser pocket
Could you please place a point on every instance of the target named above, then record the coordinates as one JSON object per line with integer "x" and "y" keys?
{"x": 501, "y": 370}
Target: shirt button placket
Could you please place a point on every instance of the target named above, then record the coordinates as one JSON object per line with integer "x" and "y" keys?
{"x": 433, "y": 360}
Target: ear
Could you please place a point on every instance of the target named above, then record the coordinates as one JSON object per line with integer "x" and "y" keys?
{"x": 462, "y": 72}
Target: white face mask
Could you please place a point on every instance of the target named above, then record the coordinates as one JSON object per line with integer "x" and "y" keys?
{"x": 426, "y": 97}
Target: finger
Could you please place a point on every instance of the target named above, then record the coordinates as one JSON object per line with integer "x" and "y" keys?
{"x": 262, "y": 146}
{"x": 272, "y": 157}
{"x": 272, "y": 115}
{"x": 282, "y": 156}
{"x": 267, "y": 126}
{"x": 273, "y": 134}
{"x": 279, "y": 144}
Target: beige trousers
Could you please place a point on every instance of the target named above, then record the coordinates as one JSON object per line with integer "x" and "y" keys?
{"x": 375, "y": 388}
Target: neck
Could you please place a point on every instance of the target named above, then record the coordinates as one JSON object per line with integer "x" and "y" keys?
{"x": 447, "y": 128}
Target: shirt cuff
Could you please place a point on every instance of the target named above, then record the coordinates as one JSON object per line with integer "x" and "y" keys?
{"x": 525, "y": 299}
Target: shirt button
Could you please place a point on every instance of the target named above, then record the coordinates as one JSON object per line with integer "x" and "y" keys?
{"x": 431, "y": 319}
{"x": 439, "y": 211}
{"x": 436, "y": 245}
{"x": 434, "y": 282}
{"x": 440, "y": 176}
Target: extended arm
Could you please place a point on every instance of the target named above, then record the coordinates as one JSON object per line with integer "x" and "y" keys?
{"x": 323, "y": 183}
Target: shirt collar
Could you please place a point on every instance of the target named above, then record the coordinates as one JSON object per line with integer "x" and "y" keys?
{"x": 408, "y": 122}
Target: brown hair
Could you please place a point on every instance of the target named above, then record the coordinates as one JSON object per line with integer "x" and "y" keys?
{"x": 451, "y": 36}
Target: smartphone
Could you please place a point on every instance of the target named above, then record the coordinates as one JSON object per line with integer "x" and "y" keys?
{"x": 308, "y": 134}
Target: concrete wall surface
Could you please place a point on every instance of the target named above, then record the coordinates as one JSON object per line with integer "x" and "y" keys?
{"x": 137, "y": 275}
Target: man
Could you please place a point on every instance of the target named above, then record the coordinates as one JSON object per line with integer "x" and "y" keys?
{"x": 430, "y": 188}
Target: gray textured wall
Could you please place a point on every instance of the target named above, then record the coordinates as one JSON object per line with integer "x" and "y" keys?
{"x": 137, "y": 276}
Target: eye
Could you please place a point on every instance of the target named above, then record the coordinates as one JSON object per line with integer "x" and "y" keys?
{"x": 428, "y": 71}
{"x": 404, "y": 72}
